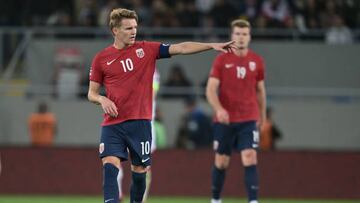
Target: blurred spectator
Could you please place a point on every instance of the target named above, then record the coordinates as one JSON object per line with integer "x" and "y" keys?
{"x": 249, "y": 9}
{"x": 87, "y": 14}
{"x": 327, "y": 15}
{"x": 104, "y": 13}
{"x": 204, "y": 6}
{"x": 269, "y": 133}
{"x": 311, "y": 14}
{"x": 42, "y": 126}
{"x": 338, "y": 33}
{"x": 222, "y": 13}
{"x": 160, "y": 12}
{"x": 143, "y": 12}
{"x": 277, "y": 13}
{"x": 350, "y": 13}
{"x": 195, "y": 127}
{"x": 59, "y": 18}
{"x": 69, "y": 72}
{"x": 187, "y": 14}
{"x": 308, "y": 14}
{"x": 179, "y": 82}
{"x": 160, "y": 130}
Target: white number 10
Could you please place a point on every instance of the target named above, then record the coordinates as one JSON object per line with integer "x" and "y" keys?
{"x": 145, "y": 147}
{"x": 127, "y": 65}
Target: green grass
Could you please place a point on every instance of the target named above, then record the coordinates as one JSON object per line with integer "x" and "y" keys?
{"x": 96, "y": 199}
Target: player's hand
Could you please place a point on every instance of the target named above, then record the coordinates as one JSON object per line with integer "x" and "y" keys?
{"x": 223, "y": 47}
{"x": 222, "y": 116}
{"x": 108, "y": 106}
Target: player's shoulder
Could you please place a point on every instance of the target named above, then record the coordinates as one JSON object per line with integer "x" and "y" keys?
{"x": 223, "y": 55}
{"x": 147, "y": 43}
{"x": 255, "y": 55}
{"x": 105, "y": 52}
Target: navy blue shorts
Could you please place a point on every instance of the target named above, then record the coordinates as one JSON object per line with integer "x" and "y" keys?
{"x": 130, "y": 137}
{"x": 238, "y": 136}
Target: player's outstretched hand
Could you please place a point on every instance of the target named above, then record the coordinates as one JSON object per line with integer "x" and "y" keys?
{"x": 223, "y": 47}
{"x": 108, "y": 106}
{"x": 222, "y": 116}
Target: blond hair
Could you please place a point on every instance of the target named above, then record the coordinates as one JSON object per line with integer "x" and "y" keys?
{"x": 240, "y": 23}
{"x": 118, "y": 14}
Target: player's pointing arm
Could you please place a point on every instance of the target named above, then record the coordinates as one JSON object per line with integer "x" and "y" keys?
{"x": 195, "y": 47}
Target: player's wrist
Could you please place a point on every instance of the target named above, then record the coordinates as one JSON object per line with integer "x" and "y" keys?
{"x": 101, "y": 99}
{"x": 219, "y": 109}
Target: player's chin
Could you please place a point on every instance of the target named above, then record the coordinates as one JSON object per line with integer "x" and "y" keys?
{"x": 132, "y": 40}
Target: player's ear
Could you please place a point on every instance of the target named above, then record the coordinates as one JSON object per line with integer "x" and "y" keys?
{"x": 114, "y": 30}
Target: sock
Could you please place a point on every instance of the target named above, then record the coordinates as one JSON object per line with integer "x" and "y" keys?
{"x": 218, "y": 177}
{"x": 138, "y": 186}
{"x": 251, "y": 182}
{"x": 110, "y": 186}
{"x": 119, "y": 181}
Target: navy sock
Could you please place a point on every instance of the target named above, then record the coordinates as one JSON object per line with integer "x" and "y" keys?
{"x": 218, "y": 178}
{"x": 251, "y": 182}
{"x": 138, "y": 186}
{"x": 110, "y": 187}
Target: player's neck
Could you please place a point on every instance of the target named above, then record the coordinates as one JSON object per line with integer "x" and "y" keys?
{"x": 120, "y": 45}
{"x": 241, "y": 52}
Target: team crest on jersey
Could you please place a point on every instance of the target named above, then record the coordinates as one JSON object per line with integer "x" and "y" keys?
{"x": 140, "y": 53}
{"x": 252, "y": 65}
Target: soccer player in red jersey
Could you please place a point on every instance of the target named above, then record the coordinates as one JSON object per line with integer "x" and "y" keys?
{"x": 126, "y": 70}
{"x": 236, "y": 92}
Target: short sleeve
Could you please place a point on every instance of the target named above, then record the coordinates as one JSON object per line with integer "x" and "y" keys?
{"x": 96, "y": 74}
{"x": 153, "y": 47}
{"x": 216, "y": 68}
{"x": 261, "y": 71}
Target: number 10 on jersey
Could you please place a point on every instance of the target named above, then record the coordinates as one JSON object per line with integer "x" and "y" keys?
{"x": 127, "y": 65}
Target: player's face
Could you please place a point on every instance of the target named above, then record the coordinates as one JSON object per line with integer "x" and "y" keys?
{"x": 126, "y": 32}
{"x": 241, "y": 36}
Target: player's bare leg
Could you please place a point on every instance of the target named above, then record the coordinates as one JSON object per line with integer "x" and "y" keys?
{"x": 249, "y": 160}
{"x": 138, "y": 184}
{"x": 148, "y": 183}
{"x": 111, "y": 165}
{"x": 119, "y": 180}
{"x": 222, "y": 162}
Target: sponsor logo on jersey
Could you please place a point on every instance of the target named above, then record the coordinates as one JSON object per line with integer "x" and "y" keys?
{"x": 252, "y": 65}
{"x": 110, "y": 62}
{"x": 229, "y": 65}
{"x": 140, "y": 53}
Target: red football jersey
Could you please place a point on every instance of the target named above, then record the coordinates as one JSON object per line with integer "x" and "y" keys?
{"x": 238, "y": 78}
{"x": 127, "y": 76}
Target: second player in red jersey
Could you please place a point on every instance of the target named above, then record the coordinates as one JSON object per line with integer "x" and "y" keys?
{"x": 239, "y": 76}
{"x": 236, "y": 92}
